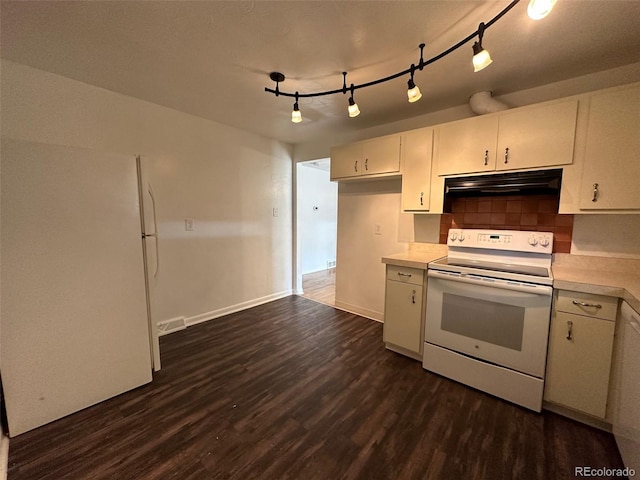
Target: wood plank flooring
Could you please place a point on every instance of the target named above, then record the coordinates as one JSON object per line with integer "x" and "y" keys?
{"x": 320, "y": 286}
{"x": 298, "y": 390}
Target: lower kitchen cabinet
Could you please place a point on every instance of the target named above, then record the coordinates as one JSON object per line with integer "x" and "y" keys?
{"x": 580, "y": 350}
{"x": 626, "y": 387}
{"x": 404, "y": 310}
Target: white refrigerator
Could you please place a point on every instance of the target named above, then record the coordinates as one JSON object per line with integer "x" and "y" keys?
{"x": 79, "y": 260}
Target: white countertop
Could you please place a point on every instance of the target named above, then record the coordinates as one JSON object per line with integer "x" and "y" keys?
{"x": 418, "y": 256}
{"x": 615, "y": 277}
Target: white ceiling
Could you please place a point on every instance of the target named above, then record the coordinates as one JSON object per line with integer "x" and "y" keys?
{"x": 213, "y": 58}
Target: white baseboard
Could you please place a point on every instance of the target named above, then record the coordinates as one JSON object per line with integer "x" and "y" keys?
{"x": 363, "y": 312}
{"x": 205, "y": 317}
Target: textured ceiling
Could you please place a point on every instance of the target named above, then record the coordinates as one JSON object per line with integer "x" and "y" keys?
{"x": 212, "y": 59}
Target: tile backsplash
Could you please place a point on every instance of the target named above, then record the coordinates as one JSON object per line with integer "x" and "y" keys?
{"x": 511, "y": 212}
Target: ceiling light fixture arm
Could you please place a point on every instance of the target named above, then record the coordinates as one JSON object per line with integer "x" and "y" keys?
{"x": 423, "y": 63}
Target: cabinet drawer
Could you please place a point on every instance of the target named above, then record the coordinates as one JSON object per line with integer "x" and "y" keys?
{"x": 414, "y": 276}
{"x": 587, "y": 304}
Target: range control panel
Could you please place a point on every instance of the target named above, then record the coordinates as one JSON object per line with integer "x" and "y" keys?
{"x": 513, "y": 240}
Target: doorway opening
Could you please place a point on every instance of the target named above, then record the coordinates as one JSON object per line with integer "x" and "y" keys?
{"x": 317, "y": 228}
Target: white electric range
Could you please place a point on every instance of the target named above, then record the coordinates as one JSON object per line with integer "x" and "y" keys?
{"x": 488, "y": 312}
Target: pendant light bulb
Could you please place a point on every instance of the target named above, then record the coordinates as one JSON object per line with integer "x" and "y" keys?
{"x": 353, "y": 109}
{"x": 538, "y": 9}
{"x": 296, "y": 116}
{"x": 481, "y": 57}
{"x": 413, "y": 92}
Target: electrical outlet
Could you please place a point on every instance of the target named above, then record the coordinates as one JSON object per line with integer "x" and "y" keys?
{"x": 377, "y": 229}
{"x": 189, "y": 224}
{"x": 275, "y": 211}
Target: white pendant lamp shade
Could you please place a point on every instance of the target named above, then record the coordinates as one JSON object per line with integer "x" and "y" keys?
{"x": 413, "y": 93}
{"x": 296, "y": 116}
{"x": 353, "y": 109}
{"x": 539, "y": 9}
{"x": 481, "y": 57}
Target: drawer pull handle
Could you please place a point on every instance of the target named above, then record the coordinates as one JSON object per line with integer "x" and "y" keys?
{"x": 486, "y": 157}
{"x": 506, "y": 155}
{"x": 595, "y": 193}
{"x": 413, "y": 297}
{"x": 355, "y": 165}
{"x": 421, "y": 202}
{"x": 583, "y": 304}
{"x": 404, "y": 274}
{"x": 569, "y": 330}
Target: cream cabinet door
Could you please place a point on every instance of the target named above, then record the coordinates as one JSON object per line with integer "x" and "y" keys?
{"x": 416, "y": 151}
{"x": 467, "y": 146}
{"x": 537, "y": 137}
{"x": 381, "y": 155}
{"x": 612, "y": 152}
{"x": 403, "y": 315}
{"x": 578, "y": 367}
{"x": 346, "y": 161}
{"x": 626, "y": 388}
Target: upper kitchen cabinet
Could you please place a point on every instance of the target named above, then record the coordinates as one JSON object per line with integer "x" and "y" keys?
{"x": 378, "y": 156}
{"x": 612, "y": 152}
{"x": 540, "y": 136}
{"x": 467, "y": 146}
{"x": 415, "y": 156}
{"x": 532, "y": 137}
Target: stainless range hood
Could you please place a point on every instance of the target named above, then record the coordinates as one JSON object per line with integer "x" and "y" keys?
{"x": 537, "y": 182}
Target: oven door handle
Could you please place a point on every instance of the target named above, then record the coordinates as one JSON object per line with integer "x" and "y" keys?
{"x": 493, "y": 283}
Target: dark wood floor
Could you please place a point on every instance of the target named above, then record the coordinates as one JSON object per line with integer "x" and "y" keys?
{"x": 298, "y": 390}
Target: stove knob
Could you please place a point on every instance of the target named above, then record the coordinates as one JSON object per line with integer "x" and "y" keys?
{"x": 461, "y": 237}
{"x": 544, "y": 241}
{"x": 533, "y": 241}
{"x": 453, "y": 235}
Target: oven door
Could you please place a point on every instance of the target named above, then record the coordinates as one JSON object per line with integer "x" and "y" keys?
{"x": 500, "y": 321}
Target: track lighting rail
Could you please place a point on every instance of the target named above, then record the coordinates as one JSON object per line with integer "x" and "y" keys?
{"x": 279, "y": 77}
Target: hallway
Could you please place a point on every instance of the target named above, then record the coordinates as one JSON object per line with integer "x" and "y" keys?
{"x": 320, "y": 286}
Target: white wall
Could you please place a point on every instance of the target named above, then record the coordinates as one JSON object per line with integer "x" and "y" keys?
{"x": 317, "y": 199}
{"x": 226, "y": 179}
{"x": 615, "y": 236}
{"x": 359, "y": 271}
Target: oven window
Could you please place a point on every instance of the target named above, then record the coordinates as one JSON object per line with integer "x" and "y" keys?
{"x": 491, "y": 322}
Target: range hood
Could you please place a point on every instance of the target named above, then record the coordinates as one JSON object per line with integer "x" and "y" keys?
{"x": 513, "y": 183}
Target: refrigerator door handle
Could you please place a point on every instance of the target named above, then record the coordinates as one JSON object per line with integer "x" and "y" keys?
{"x": 155, "y": 230}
